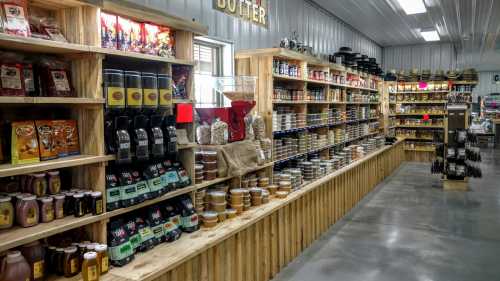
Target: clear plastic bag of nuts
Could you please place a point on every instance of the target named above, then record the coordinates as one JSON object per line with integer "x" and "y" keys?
{"x": 219, "y": 132}
{"x": 259, "y": 127}
{"x": 249, "y": 134}
{"x": 203, "y": 134}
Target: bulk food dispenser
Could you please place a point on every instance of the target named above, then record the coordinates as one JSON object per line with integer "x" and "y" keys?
{"x": 240, "y": 91}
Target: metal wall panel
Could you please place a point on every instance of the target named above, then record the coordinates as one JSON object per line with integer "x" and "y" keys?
{"x": 426, "y": 56}
{"x": 319, "y": 28}
{"x": 486, "y": 85}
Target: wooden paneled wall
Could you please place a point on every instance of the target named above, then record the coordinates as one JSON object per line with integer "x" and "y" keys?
{"x": 259, "y": 251}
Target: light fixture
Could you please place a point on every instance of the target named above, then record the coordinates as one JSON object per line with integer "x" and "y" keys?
{"x": 412, "y": 7}
{"x": 430, "y": 35}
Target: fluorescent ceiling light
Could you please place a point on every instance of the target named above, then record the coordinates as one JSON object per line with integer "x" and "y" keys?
{"x": 412, "y": 6}
{"x": 431, "y": 35}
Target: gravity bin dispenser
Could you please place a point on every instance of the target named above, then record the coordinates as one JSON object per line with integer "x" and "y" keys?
{"x": 240, "y": 91}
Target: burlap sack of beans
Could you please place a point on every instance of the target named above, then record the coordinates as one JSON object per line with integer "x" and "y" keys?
{"x": 240, "y": 157}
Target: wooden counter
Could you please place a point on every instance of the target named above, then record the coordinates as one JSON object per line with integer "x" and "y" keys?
{"x": 260, "y": 242}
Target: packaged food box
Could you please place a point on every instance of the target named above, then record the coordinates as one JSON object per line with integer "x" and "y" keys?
{"x": 24, "y": 144}
{"x": 15, "y": 21}
{"x": 129, "y": 35}
{"x": 150, "y": 38}
{"x": 166, "y": 42}
{"x": 108, "y": 31}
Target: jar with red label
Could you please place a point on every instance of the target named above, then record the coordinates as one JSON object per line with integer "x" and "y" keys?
{"x": 27, "y": 213}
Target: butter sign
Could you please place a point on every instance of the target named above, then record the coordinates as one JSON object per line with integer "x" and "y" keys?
{"x": 254, "y": 11}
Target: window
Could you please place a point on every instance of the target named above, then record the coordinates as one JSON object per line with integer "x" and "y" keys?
{"x": 212, "y": 59}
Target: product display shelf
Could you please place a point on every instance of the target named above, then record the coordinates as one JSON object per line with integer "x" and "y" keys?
{"x": 421, "y": 126}
{"x": 155, "y": 263}
{"x": 421, "y": 92}
{"x": 420, "y": 114}
{"x": 423, "y": 102}
{"x": 260, "y": 63}
{"x": 87, "y": 58}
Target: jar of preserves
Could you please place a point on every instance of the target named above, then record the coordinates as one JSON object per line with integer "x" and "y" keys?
{"x": 97, "y": 203}
{"x": 79, "y": 205}
{"x": 46, "y": 209}
{"x": 39, "y": 184}
{"x": 54, "y": 182}
{"x": 102, "y": 258}
{"x": 27, "y": 213}
{"x": 6, "y": 212}
{"x": 59, "y": 205}
{"x": 35, "y": 256}
{"x": 90, "y": 271}
{"x": 71, "y": 261}
{"x": 69, "y": 203}
{"x": 58, "y": 262}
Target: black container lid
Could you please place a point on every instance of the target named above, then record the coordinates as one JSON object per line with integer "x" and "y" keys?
{"x": 132, "y": 73}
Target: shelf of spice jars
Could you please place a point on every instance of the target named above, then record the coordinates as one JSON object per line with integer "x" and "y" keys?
{"x": 287, "y": 77}
{"x": 423, "y": 102}
{"x": 51, "y": 100}
{"x": 17, "y": 236}
{"x": 7, "y": 170}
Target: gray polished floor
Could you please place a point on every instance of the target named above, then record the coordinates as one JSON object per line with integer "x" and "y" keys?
{"x": 410, "y": 229}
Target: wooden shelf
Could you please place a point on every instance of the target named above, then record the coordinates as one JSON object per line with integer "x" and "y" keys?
{"x": 419, "y": 114}
{"x": 139, "y": 56}
{"x": 422, "y": 92}
{"x": 51, "y": 100}
{"x": 18, "y": 236}
{"x": 464, "y": 82}
{"x": 421, "y": 149}
{"x": 419, "y": 126}
{"x": 178, "y": 101}
{"x": 286, "y": 77}
{"x": 7, "y": 170}
{"x": 212, "y": 182}
{"x": 169, "y": 195}
{"x": 35, "y": 45}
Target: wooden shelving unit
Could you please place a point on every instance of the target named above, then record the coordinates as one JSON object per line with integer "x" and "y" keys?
{"x": 259, "y": 63}
{"x": 87, "y": 59}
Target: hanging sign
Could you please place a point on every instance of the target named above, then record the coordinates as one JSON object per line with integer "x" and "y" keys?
{"x": 255, "y": 11}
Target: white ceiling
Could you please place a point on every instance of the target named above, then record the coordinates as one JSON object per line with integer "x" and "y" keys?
{"x": 472, "y": 25}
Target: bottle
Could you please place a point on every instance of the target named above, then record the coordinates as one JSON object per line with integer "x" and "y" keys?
{"x": 90, "y": 272}
{"x": 71, "y": 261}
{"x": 102, "y": 258}
{"x": 34, "y": 254}
{"x": 15, "y": 268}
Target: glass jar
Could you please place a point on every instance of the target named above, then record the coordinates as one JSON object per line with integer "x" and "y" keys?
{"x": 15, "y": 267}
{"x": 39, "y": 184}
{"x": 46, "y": 209}
{"x": 71, "y": 261}
{"x": 102, "y": 258}
{"x": 114, "y": 90}
{"x": 96, "y": 203}
{"x": 69, "y": 203}
{"x": 54, "y": 182}
{"x": 59, "y": 205}
{"x": 90, "y": 271}
{"x": 6, "y": 212}
{"x": 35, "y": 256}
{"x": 27, "y": 211}
{"x": 79, "y": 205}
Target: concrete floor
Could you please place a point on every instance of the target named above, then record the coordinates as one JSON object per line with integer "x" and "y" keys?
{"x": 410, "y": 229}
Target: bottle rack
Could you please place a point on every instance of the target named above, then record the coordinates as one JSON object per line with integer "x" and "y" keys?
{"x": 87, "y": 59}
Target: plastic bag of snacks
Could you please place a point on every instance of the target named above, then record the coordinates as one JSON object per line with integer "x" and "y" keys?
{"x": 45, "y": 28}
{"x": 11, "y": 75}
{"x": 249, "y": 134}
{"x": 56, "y": 76}
{"x": 259, "y": 127}
{"x": 219, "y": 133}
{"x": 14, "y": 18}
{"x": 203, "y": 134}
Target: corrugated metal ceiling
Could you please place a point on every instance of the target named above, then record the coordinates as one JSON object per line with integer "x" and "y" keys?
{"x": 471, "y": 22}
